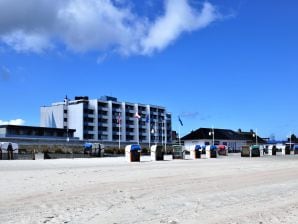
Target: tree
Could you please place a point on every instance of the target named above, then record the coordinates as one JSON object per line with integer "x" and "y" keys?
{"x": 293, "y": 138}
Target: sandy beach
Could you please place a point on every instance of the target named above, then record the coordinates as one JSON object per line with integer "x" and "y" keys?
{"x": 110, "y": 190}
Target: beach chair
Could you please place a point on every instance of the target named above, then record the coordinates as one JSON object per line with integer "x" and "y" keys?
{"x": 133, "y": 153}
{"x": 195, "y": 152}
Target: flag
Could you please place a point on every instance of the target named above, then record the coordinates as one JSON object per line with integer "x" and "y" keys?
{"x": 180, "y": 121}
{"x": 119, "y": 119}
{"x": 147, "y": 118}
{"x": 137, "y": 115}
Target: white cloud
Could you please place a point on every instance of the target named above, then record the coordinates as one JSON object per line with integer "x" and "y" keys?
{"x": 24, "y": 42}
{"x": 178, "y": 18}
{"x": 13, "y": 122}
{"x": 96, "y": 25}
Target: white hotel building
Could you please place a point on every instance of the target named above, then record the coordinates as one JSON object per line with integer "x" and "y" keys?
{"x": 97, "y": 120}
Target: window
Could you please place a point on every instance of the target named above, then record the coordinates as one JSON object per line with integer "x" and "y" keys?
{"x": 207, "y": 143}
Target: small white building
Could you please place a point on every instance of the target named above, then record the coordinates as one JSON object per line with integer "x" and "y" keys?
{"x": 208, "y": 136}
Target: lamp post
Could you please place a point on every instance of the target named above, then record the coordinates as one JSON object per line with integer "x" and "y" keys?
{"x": 290, "y": 137}
{"x": 255, "y": 135}
{"x": 212, "y": 133}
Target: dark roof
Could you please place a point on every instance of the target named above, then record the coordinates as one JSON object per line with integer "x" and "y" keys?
{"x": 9, "y": 126}
{"x": 224, "y": 134}
{"x": 249, "y": 136}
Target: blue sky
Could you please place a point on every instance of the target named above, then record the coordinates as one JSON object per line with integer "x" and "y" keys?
{"x": 231, "y": 64}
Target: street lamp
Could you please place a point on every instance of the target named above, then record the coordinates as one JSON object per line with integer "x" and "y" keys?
{"x": 290, "y": 137}
{"x": 255, "y": 135}
{"x": 212, "y": 133}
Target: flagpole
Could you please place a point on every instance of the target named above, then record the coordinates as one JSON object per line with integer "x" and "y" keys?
{"x": 213, "y": 133}
{"x": 155, "y": 131}
{"x": 179, "y": 136}
{"x": 181, "y": 124}
{"x": 137, "y": 116}
{"x": 138, "y": 131}
{"x": 149, "y": 127}
{"x": 148, "y": 121}
{"x": 119, "y": 120}
{"x": 165, "y": 135}
{"x": 161, "y": 133}
{"x": 119, "y": 135}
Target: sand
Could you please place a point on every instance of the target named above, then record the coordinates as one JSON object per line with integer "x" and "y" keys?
{"x": 110, "y": 190}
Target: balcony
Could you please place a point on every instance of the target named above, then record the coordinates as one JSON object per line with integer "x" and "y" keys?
{"x": 130, "y": 133}
{"x": 90, "y": 132}
{"x": 118, "y": 110}
{"x": 90, "y": 115}
{"x": 103, "y": 138}
{"x": 102, "y": 132}
{"x": 103, "y": 109}
{"x": 88, "y": 124}
{"x": 103, "y": 116}
{"x": 116, "y": 133}
{"x": 103, "y": 124}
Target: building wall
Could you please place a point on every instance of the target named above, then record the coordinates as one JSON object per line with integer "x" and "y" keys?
{"x": 52, "y": 116}
{"x": 75, "y": 119}
{"x": 2, "y": 132}
{"x": 27, "y": 132}
{"x": 233, "y": 144}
